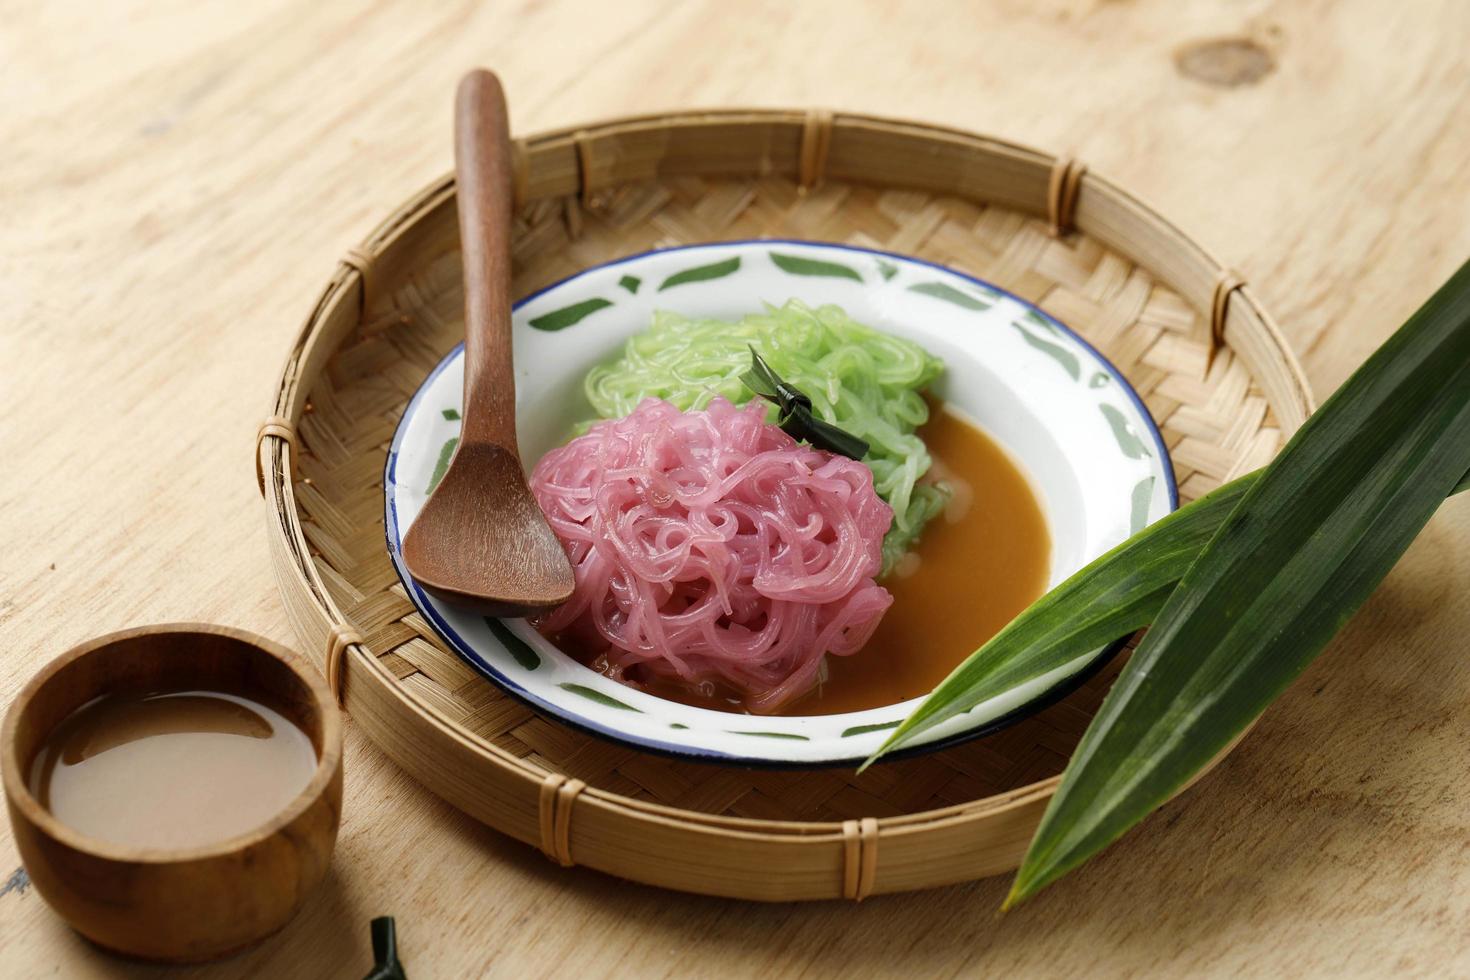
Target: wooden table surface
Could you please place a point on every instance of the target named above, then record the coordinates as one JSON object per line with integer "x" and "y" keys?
{"x": 179, "y": 178}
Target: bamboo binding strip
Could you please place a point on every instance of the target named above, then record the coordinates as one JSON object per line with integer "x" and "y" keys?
{"x": 1226, "y": 283}
{"x": 1151, "y": 299}
{"x": 860, "y": 861}
{"x": 276, "y": 426}
{"x": 558, "y": 794}
{"x": 1061, "y": 194}
{"x": 338, "y": 641}
{"x": 816, "y": 142}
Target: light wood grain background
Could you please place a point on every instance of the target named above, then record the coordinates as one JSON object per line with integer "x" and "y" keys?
{"x": 178, "y": 178}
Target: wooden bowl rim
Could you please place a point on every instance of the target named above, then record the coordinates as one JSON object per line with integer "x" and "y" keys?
{"x": 329, "y": 758}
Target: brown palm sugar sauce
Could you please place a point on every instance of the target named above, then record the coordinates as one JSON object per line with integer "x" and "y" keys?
{"x": 976, "y": 567}
{"x": 171, "y": 769}
{"x": 986, "y": 558}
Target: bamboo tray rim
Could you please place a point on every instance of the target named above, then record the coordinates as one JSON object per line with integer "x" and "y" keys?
{"x": 351, "y": 282}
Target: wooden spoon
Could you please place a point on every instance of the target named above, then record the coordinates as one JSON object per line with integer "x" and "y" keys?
{"x": 481, "y": 540}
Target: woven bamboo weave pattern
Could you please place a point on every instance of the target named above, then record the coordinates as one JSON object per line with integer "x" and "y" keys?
{"x": 1216, "y": 423}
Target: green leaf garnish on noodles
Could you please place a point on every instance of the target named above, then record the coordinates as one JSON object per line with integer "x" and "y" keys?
{"x": 796, "y": 418}
{"x": 1243, "y": 588}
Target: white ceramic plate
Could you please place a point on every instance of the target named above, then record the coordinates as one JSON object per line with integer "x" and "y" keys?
{"x": 1068, "y": 417}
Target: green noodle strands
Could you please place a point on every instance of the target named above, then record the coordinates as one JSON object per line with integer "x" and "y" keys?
{"x": 865, "y": 382}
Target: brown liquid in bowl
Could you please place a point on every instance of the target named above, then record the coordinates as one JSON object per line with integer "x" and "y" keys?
{"x": 976, "y": 567}
{"x": 173, "y": 769}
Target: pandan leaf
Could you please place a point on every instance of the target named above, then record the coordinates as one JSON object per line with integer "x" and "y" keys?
{"x": 1243, "y": 588}
{"x": 1309, "y": 541}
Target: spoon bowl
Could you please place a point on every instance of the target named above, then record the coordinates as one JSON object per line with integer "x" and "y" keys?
{"x": 484, "y": 543}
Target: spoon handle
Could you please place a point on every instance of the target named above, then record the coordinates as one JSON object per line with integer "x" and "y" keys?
{"x": 483, "y": 165}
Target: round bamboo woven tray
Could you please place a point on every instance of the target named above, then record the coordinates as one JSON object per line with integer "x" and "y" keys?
{"x": 1192, "y": 339}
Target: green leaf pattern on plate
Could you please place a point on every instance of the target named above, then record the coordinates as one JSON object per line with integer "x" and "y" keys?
{"x": 1143, "y": 493}
{"x": 1061, "y": 355}
{"x": 451, "y": 414}
{"x": 592, "y": 694}
{"x": 570, "y": 315}
{"x": 446, "y": 453}
{"x": 630, "y": 283}
{"x": 946, "y": 292}
{"x": 798, "y": 266}
{"x": 1128, "y": 440}
{"x": 518, "y": 648}
{"x": 1037, "y": 320}
{"x": 785, "y": 735}
{"x": 881, "y": 726}
{"x": 887, "y": 269}
{"x": 702, "y": 273}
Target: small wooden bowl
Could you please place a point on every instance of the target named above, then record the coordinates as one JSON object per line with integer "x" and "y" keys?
{"x": 189, "y": 904}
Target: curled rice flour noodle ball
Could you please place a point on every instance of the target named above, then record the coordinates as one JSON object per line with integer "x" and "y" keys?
{"x": 712, "y": 548}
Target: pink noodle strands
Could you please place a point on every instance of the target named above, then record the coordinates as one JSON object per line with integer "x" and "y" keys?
{"x": 712, "y": 547}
